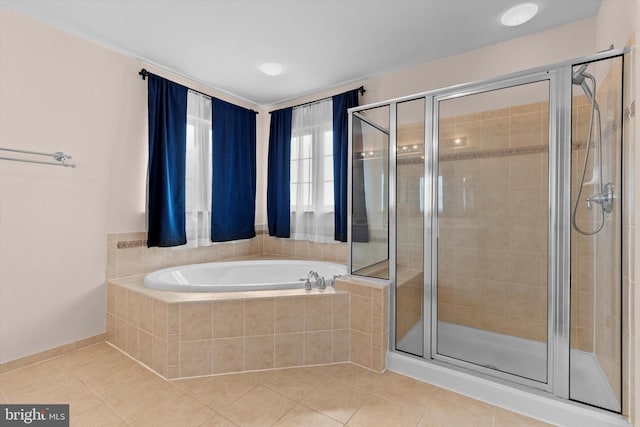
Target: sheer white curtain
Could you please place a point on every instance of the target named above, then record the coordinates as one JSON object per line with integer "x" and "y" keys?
{"x": 312, "y": 202}
{"x": 198, "y": 170}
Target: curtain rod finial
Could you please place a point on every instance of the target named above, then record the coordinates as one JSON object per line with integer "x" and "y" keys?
{"x": 362, "y": 90}
{"x": 144, "y": 73}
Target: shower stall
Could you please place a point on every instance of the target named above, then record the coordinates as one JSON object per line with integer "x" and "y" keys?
{"x": 494, "y": 210}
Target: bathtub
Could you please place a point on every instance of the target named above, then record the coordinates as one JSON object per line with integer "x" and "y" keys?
{"x": 234, "y": 276}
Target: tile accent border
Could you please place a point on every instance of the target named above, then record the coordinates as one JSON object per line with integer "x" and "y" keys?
{"x": 131, "y": 244}
{"x": 499, "y": 152}
{"x": 51, "y": 353}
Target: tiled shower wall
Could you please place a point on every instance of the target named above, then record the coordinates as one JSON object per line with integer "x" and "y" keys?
{"x": 128, "y": 255}
{"x": 607, "y": 275}
{"x": 493, "y": 225}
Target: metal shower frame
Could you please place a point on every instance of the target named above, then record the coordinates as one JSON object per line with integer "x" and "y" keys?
{"x": 559, "y": 220}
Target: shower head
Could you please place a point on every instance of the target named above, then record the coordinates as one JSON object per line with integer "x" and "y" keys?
{"x": 579, "y": 78}
{"x": 578, "y": 75}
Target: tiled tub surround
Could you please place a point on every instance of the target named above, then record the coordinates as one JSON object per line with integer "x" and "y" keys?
{"x": 195, "y": 334}
{"x": 128, "y": 255}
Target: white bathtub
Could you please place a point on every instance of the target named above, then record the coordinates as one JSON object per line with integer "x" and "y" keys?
{"x": 230, "y": 276}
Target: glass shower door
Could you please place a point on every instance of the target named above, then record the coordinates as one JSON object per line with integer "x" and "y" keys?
{"x": 491, "y": 204}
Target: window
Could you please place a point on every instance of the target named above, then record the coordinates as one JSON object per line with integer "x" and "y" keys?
{"x": 312, "y": 199}
{"x": 198, "y": 170}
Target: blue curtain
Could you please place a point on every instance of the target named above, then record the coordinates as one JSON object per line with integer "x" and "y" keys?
{"x": 341, "y": 103}
{"x": 278, "y": 179}
{"x": 233, "y": 199}
{"x": 167, "y": 105}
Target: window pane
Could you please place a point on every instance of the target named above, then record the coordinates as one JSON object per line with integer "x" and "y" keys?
{"x": 328, "y": 143}
{"x": 306, "y": 195}
{"x": 293, "y": 194}
{"x": 305, "y": 175}
{"x": 328, "y": 168}
{"x": 294, "y": 171}
{"x": 294, "y": 147}
{"x": 328, "y": 193}
{"x": 306, "y": 146}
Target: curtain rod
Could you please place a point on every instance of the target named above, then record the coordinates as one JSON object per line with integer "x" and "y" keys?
{"x": 361, "y": 89}
{"x": 144, "y": 73}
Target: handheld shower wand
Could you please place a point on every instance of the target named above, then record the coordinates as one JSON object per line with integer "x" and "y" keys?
{"x": 605, "y": 195}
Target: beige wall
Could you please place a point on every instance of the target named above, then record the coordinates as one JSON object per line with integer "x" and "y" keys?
{"x": 61, "y": 93}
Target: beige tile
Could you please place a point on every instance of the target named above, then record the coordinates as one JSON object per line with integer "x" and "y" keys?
{"x": 259, "y": 317}
{"x": 220, "y": 391}
{"x": 183, "y": 412}
{"x": 129, "y": 261}
{"x": 111, "y": 298}
{"x": 196, "y": 358}
{"x": 111, "y": 328}
{"x": 218, "y": 421}
{"x": 146, "y": 313}
{"x": 153, "y": 259}
{"x": 259, "y": 352}
{"x": 351, "y": 374}
{"x": 145, "y": 347}
{"x": 384, "y": 413}
{"x": 340, "y": 345}
{"x": 496, "y": 133}
{"x": 97, "y": 363}
{"x": 173, "y": 318}
{"x": 294, "y": 383}
{"x": 196, "y": 321}
{"x": 134, "y": 305}
{"x": 41, "y": 377}
{"x": 318, "y": 312}
{"x": 413, "y": 394}
{"x": 159, "y": 356}
{"x": 460, "y": 410}
{"x": 122, "y": 304}
{"x": 273, "y": 406}
{"x": 146, "y": 391}
{"x": 361, "y": 313}
{"x": 173, "y": 372}
{"x": 100, "y": 416}
{"x": 228, "y": 319}
{"x": 336, "y": 400}
{"x": 506, "y": 418}
{"x": 132, "y": 341}
{"x": 360, "y": 348}
{"x": 228, "y": 355}
{"x": 289, "y": 314}
{"x": 160, "y": 319}
{"x": 318, "y": 347}
{"x": 301, "y": 415}
{"x": 428, "y": 421}
{"x": 341, "y": 311}
{"x": 173, "y": 350}
{"x": 289, "y": 350}
{"x": 354, "y": 288}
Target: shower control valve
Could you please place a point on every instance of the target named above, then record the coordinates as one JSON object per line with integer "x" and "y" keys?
{"x": 605, "y": 199}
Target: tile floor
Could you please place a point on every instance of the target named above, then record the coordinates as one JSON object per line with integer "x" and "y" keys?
{"x": 106, "y": 388}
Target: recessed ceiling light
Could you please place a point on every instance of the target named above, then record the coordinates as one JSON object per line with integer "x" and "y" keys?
{"x": 519, "y": 14}
{"x": 271, "y": 68}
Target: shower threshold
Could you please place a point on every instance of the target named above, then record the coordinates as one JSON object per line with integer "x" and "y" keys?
{"x": 519, "y": 356}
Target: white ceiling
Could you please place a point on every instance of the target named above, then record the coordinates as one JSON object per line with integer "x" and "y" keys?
{"x": 320, "y": 43}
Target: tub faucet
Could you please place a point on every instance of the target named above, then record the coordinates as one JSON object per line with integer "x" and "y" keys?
{"x": 335, "y": 277}
{"x": 312, "y": 275}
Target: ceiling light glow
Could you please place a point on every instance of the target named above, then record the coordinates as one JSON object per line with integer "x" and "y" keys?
{"x": 519, "y": 14}
{"x": 271, "y": 68}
